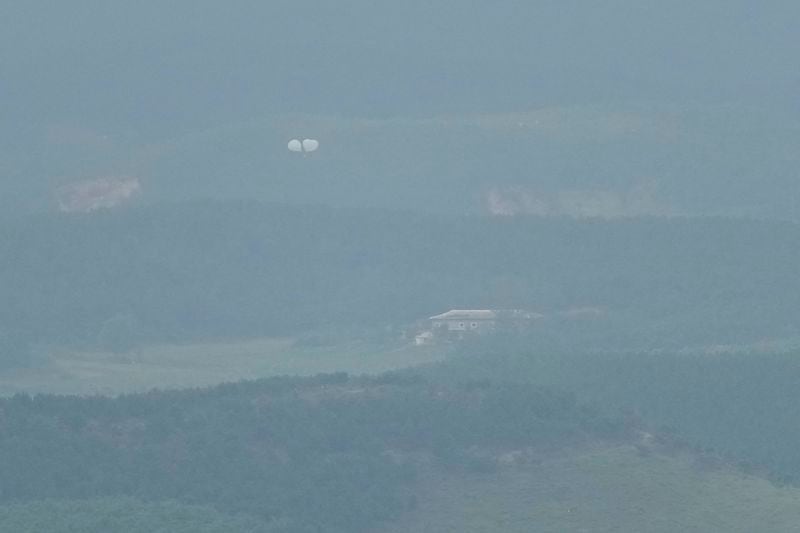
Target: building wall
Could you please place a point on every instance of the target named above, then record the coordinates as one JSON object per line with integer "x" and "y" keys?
{"x": 479, "y": 326}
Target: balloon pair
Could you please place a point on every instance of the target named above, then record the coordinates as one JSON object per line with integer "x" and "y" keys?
{"x": 305, "y": 146}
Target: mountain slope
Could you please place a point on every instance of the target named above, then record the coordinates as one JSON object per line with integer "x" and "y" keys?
{"x": 224, "y": 270}
{"x": 604, "y": 490}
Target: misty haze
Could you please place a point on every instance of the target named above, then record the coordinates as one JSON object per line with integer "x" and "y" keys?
{"x": 382, "y": 267}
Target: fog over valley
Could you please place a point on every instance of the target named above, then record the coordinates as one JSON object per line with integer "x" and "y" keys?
{"x": 401, "y": 266}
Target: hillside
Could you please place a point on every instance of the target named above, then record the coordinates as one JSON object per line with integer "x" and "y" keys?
{"x": 565, "y": 160}
{"x": 183, "y": 272}
{"x": 386, "y": 454}
{"x": 331, "y": 451}
{"x": 608, "y": 489}
{"x": 743, "y": 406}
{"x": 602, "y": 491}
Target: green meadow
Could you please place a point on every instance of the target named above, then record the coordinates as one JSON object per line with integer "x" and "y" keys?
{"x": 177, "y": 366}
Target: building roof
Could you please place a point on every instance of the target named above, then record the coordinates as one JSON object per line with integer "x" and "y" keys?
{"x": 467, "y": 314}
{"x": 487, "y": 314}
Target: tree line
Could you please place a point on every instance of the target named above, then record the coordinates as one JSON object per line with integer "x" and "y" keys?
{"x": 216, "y": 269}
{"x": 330, "y": 453}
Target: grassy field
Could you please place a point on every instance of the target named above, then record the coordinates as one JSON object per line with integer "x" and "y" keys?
{"x": 602, "y": 491}
{"x": 197, "y": 365}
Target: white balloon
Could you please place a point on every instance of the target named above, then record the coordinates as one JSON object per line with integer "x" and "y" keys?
{"x": 309, "y": 145}
{"x": 295, "y": 145}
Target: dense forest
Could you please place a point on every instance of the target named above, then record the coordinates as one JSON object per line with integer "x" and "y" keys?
{"x": 739, "y": 406}
{"x": 214, "y": 270}
{"x": 342, "y": 453}
{"x": 633, "y": 310}
{"x": 329, "y": 453}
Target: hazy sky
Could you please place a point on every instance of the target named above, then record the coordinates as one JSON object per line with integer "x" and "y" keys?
{"x": 157, "y": 91}
{"x": 186, "y": 62}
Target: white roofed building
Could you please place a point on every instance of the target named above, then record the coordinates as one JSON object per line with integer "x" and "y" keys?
{"x": 461, "y": 324}
{"x": 477, "y": 320}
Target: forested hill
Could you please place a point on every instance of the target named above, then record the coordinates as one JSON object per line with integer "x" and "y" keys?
{"x": 329, "y": 453}
{"x": 743, "y": 406}
{"x": 345, "y": 455}
{"x": 247, "y": 269}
